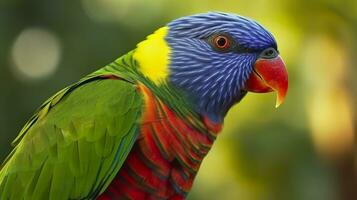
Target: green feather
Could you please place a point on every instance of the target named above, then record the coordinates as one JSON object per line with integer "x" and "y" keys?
{"x": 77, "y": 141}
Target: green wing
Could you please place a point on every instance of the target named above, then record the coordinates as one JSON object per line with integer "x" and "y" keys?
{"x": 75, "y": 144}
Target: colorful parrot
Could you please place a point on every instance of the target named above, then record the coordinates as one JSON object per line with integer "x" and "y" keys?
{"x": 140, "y": 127}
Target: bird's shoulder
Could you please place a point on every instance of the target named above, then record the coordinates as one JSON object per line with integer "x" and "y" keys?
{"x": 83, "y": 132}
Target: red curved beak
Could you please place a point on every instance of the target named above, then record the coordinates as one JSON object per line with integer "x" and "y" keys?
{"x": 269, "y": 75}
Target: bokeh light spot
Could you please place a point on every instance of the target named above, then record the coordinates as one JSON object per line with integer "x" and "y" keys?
{"x": 35, "y": 54}
{"x": 122, "y": 11}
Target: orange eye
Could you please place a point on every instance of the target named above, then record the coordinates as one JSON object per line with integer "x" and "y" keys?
{"x": 221, "y": 42}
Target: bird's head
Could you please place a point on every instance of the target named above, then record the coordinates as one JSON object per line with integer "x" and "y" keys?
{"x": 215, "y": 59}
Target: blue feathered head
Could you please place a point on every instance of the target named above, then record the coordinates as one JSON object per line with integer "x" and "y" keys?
{"x": 214, "y": 59}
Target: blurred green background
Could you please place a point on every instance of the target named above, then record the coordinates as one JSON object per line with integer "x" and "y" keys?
{"x": 303, "y": 150}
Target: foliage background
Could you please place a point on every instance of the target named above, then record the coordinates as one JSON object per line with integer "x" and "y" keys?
{"x": 303, "y": 150}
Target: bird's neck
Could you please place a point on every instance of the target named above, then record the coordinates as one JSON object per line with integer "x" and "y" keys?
{"x": 129, "y": 69}
{"x": 181, "y": 101}
{"x": 150, "y": 62}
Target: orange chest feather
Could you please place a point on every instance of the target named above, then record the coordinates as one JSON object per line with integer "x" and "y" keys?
{"x": 166, "y": 157}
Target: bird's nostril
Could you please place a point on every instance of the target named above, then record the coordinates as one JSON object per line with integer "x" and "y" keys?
{"x": 269, "y": 53}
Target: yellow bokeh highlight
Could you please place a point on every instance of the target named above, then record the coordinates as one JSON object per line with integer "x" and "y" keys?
{"x": 328, "y": 101}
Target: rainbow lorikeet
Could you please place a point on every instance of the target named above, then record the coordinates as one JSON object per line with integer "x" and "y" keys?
{"x": 140, "y": 127}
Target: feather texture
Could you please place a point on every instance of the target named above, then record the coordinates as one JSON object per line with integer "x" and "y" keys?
{"x": 166, "y": 157}
{"x": 129, "y": 131}
{"x": 75, "y": 144}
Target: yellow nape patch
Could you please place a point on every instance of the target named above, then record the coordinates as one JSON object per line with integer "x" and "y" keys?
{"x": 152, "y": 55}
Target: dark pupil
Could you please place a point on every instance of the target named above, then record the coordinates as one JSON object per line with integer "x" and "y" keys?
{"x": 221, "y": 42}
